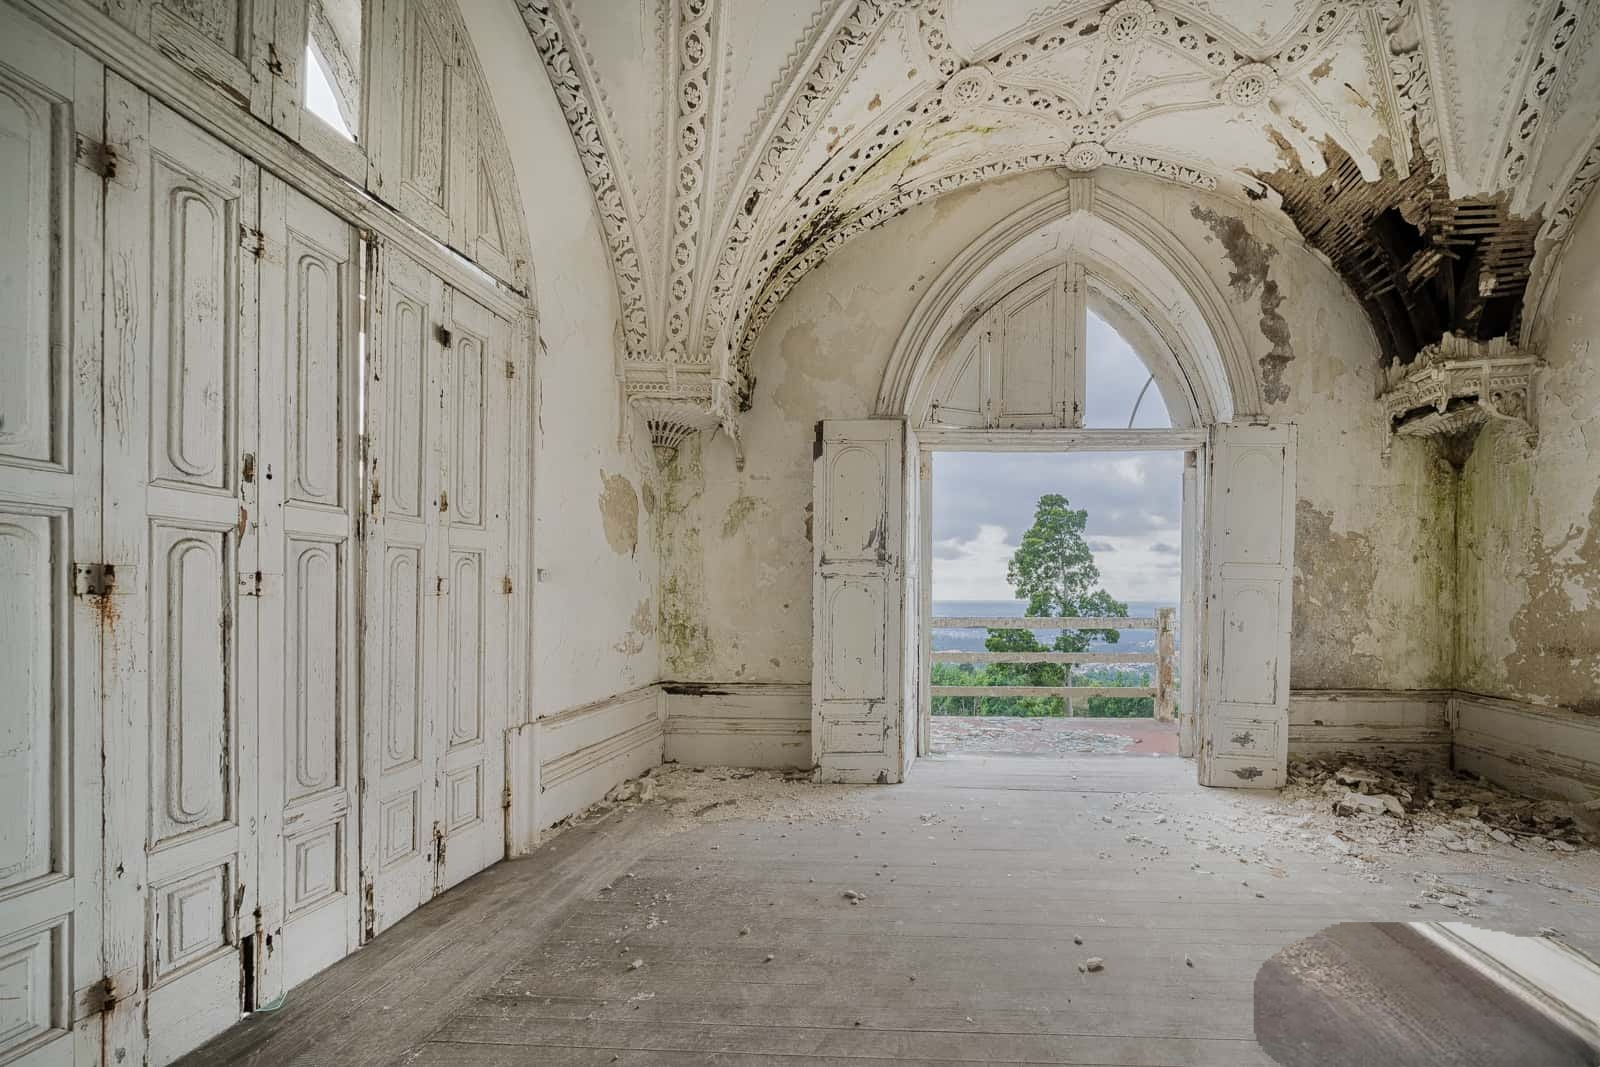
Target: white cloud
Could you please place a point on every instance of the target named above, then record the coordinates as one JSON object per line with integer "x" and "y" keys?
{"x": 973, "y": 568}
{"x": 983, "y": 502}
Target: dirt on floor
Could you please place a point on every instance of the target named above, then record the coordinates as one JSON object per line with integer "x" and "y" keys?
{"x": 1039, "y": 736}
{"x": 1389, "y": 819}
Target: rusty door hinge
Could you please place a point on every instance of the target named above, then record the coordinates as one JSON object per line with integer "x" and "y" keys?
{"x": 505, "y": 585}
{"x": 102, "y": 579}
{"x": 253, "y": 241}
{"x": 438, "y": 845}
{"x": 97, "y": 157}
{"x": 511, "y": 369}
{"x": 443, "y": 335}
{"x": 505, "y": 797}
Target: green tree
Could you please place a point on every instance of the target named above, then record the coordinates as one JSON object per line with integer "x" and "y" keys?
{"x": 1054, "y": 571}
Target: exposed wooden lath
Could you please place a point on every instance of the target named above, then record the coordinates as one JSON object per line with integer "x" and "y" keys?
{"x": 1421, "y": 263}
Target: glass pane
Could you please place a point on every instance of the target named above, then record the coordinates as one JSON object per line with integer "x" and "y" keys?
{"x": 333, "y": 64}
{"x": 1119, "y": 390}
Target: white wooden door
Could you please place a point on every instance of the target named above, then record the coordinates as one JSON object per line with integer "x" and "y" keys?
{"x": 180, "y": 792}
{"x": 305, "y": 482}
{"x": 401, "y": 605}
{"x": 473, "y": 670}
{"x": 49, "y": 520}
{"x": 1244, "y": 729}
{"x": 436, "y": 595}
{"x": 1189, "y": 610}
{"x": 859, "y": 529}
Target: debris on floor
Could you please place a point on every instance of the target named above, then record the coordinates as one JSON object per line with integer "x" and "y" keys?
{"x": 1380, "y": 799}
{"x": 692, "y": 796}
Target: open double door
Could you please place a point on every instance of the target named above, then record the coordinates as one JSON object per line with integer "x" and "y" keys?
{"x": 871, "y": 497}
{"x": 253, "y": 504}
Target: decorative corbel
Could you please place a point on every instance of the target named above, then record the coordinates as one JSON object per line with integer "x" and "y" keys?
{"x": 1457, "y": 386}
{"x": 725, "y": 407}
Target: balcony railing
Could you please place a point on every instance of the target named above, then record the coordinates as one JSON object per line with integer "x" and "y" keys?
{"x": 1162, "y": 659}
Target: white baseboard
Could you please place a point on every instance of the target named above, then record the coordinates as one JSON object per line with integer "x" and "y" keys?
{"x": 1539, "y": 751}
{"x": 559, "y": 764}
{"x": 1327, "y": 721}
{"x": 738, "y": 725}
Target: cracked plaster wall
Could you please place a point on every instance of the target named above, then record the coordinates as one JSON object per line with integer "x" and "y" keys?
{"x": 737, "y": 554}
{"x": 594, "y": 594}
{"x": 1529, "y": 536}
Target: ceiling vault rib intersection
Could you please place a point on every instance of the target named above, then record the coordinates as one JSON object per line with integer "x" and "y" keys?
{"x": 782, "y": 146}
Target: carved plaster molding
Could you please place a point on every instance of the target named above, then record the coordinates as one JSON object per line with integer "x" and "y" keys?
{"x": 1527, "y": 123}
{"x": 903, "y": 200}
{"x": 830, "y": 70}
{"x": 1412, "y": 84}
{"x": 1573, "y": 195}
{"x": 1459, "y": 385}
{"x": 698, "y": 44}
{"x": 741, "y": 295}
{"x": 570, "y": 77}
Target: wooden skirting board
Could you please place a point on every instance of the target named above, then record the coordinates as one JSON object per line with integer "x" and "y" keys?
{"x": 1549, "y": 751}
{"x": 561, "y": 763}
{"x": 739, "y": 725}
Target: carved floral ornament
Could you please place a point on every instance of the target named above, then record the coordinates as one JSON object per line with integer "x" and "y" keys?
{"x": 737, "y": 240}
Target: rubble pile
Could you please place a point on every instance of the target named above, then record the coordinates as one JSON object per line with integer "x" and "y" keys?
{"x": 1392, "y": 797}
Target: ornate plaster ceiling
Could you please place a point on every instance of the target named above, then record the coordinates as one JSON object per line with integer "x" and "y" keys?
{"x": 732, "y": 144}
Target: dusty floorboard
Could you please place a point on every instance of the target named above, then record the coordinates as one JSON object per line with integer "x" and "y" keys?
{"x": 979, "y": 876}
{"x": 1380, "y": 993}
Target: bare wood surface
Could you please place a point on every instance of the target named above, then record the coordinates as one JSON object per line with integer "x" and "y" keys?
{"x": 978, "y": 877}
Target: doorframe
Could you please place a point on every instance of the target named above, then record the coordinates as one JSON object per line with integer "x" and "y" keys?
{"x": 931, "y": 440}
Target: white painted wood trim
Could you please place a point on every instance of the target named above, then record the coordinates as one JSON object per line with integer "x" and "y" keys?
{"x": 1528, "y": 748}
{"x": 1031, "y": 622}
{"x": 1044, "y": 657}
{"x": 936, "y": 438}
{"x": 1041, "y": 691}
{"x": 560, "y": 763}
{"x": 1548, "y": 975}
{"x": 145, "y": 65}
{"x": 739, "y": 725}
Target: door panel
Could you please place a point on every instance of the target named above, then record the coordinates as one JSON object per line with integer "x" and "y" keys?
{"x": 183, "y": 329}
{"x": 475, "y": 669}
{"x": 305, "y": 647}
{"x": 857, "y": 698}
{"x": 1244, "y": 730}
{"x": 403, "y": 586}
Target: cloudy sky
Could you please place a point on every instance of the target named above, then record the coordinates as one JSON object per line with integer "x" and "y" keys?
{"x": 983, "y": 501}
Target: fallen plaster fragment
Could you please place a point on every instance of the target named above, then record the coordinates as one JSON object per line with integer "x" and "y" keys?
{"x": 635, "y": 965}
{"x": 1092, "y": 965}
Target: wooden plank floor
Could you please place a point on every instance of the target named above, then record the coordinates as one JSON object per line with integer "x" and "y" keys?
{"x": 1381, "y": 993}
{"x": 981, "y": 876}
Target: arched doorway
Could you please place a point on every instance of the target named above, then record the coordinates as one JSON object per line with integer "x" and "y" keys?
{"x": 996, "y": 359}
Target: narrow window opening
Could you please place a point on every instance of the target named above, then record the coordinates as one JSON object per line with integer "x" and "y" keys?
{"x": 332, "y": 78}
{"x": 1120, "y": 392}
{"x": 321, "y": 100}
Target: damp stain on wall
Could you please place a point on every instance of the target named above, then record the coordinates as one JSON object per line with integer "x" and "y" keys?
{"x": 1249, "y": 277}
{"x": 619, "y": 513}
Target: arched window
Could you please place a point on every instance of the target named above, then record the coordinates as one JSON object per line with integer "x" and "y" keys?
{"x": 1060, "y": 347}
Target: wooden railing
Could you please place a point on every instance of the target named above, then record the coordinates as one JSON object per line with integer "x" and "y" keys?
{"x": 1162, "y": 659}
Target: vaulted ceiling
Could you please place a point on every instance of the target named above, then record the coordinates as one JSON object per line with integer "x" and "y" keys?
{"x": 732, "y": 144}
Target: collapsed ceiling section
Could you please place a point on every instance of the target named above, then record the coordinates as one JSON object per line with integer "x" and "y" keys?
{"x": 1428, "y": 147}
